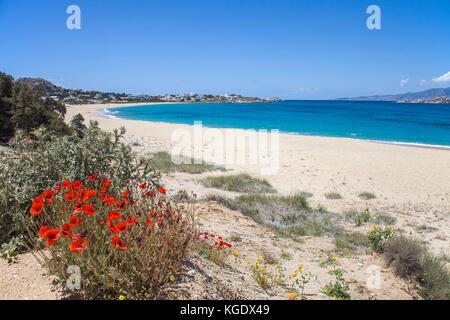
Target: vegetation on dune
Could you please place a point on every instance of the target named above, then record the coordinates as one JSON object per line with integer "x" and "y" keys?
{"x": 286, "y": 215}
{"x": 367, "y": 195}
{"x": 333, "y": 196}
{"x": 41, "y": 162}
{"x": 239, "y": 183}
{"x": 135, "y": 241}
{"x": 426, "y": 274}
{"x": 162, "y": 161}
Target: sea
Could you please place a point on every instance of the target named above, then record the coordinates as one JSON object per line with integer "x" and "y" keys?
{"x": 419, "y": 124}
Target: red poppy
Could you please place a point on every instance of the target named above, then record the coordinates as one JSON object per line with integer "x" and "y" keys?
{"x": 47, "y": 195}
{"x": 75, "y": 221}
{"x": 106, "y": 183}
{"x": 66, "y": 230}
{"x": 114, "y": 215}
{"x": 88, "y": 209}
{"x": 36, "y": 206}
{"x": 111, "y": 227}
{"x": 125, "y": 194}
{"x": 93, "y": 178}
{"x": 78, "y": 245}
{"x": 43, "y": 230}
{"x": 121, "y": 226}
{"x": 77, "y": 185}
{"x": 120, "y": 205}
{"x": 77, "y": 207}
{"x": 71, "y": 196}
{"x": 110, "y": 200}
{"x": 118, "y": 243}
{"x": 86, "y": 194}
{"x": 143, "y": 185}
{"x": 150, "y": 194}
{"x": 149, "y": 222}
{"x": 52, "y": 236}
{"x": 131, "y": 221}
{"x": 101, "y": 222}
{"x": 66, "y": 184}
{"x": 162, "y": 190}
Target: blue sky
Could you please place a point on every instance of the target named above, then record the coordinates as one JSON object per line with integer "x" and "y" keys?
{"x": 291, "y": 49}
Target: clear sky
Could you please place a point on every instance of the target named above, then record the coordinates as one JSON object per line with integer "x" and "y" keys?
{"x": 288, "y": 48}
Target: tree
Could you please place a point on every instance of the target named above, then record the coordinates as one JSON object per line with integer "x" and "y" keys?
{"x": 77, "y": 125}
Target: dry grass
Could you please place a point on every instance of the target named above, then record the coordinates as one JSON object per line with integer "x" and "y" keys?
{"x": 239, "y": 183}
{"x": 161, "y": 161}
{"x": 412, "y": 261}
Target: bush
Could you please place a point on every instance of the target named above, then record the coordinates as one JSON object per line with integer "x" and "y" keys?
{"x": 42, "y": 161}
{"x": 367, "y": 195}
{"x": 333, "y": 195}
{"x": 162, "y": 161}
{"x": 359, "y": 218}
{"x": 378, "y": 237}
{"x": 412, "y": 261}
{"x": 123, "y": 244}
{"x": 239, "y": 183}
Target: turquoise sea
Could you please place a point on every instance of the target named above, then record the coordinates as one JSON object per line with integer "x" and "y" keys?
{"x": 392, "y": 122}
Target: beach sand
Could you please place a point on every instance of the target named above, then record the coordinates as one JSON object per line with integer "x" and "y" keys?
{"x": 410, "y": 183}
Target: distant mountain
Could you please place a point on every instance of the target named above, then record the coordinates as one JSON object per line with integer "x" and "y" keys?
{"x": 410, "y": 96}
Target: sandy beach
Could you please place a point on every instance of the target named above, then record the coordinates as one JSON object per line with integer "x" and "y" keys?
{"x": 409, "y": 182}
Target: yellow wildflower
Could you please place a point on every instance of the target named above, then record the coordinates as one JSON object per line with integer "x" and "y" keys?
{"x": 235, "y": 253}
{"x": 172, "y": 278}
{"x": 121, "y": 297}
{"x": 300, "y": 268}
{"x": 292, "y": 296}
{"x": 295, "y": 275}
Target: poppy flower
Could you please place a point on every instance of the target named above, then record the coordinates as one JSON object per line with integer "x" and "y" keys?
{"x": 118, "y": 243}
{"x": 109, "y": 200}
{"x": 78, "y": 245}
{"x": 125, "y": 194}
{"x": 86, "y": 194}
{"x": 71, "y": 196}
{"x": 120, "y": 205}
{"x": 47, "y": 195}
{"x": 149, "y": 194}
{"x": 66, "y": 230}
{"x": 88, "y": 209}
{"x": 66, "y": 184}
{"x": 43, "y": 230}
{"x": 143, "y": 185}
{"x": 75, "y": 221}
{"x": 77, "y": 207}
{"x": 162, "y": 190}
{"x": 93, "y": 178}
{"x": 52, "y": 236}
{"x": 149, "y": 223}
{"x": 111, "y": 227}
{"x": 36, "y": 206}
{"x": 121, "y": 226}
{"x": 106, "y": 183}
{"x": 114, "y": 215}
{"x": 131, "y": 221}
{"x": 77, "y": 185}
{"x": 101, "y": 222}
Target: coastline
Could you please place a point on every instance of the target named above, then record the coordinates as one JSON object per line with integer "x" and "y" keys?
{"x": 105, "y": 112}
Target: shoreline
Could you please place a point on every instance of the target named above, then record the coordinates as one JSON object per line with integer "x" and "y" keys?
{"x": 389, "y": 142}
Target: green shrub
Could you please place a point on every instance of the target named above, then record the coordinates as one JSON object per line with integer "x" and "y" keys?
{"x": 352, "y": 242}
{"x": 162, "y": 162}
{"x": 378, "y": 237}
{"x": 333, "y": 196}
{"x": 239, "y": 183}
{"x": 44, "y": 160}
{"x": 385, "y": 219}
{"x": 412, "y": 261}
{"x": 285, "y": 215}
{"x": 359, "y": 218}
{"x": 367, "y": 195}
{"x": 339, "y": 289}
{"x": 126, "y": 243}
